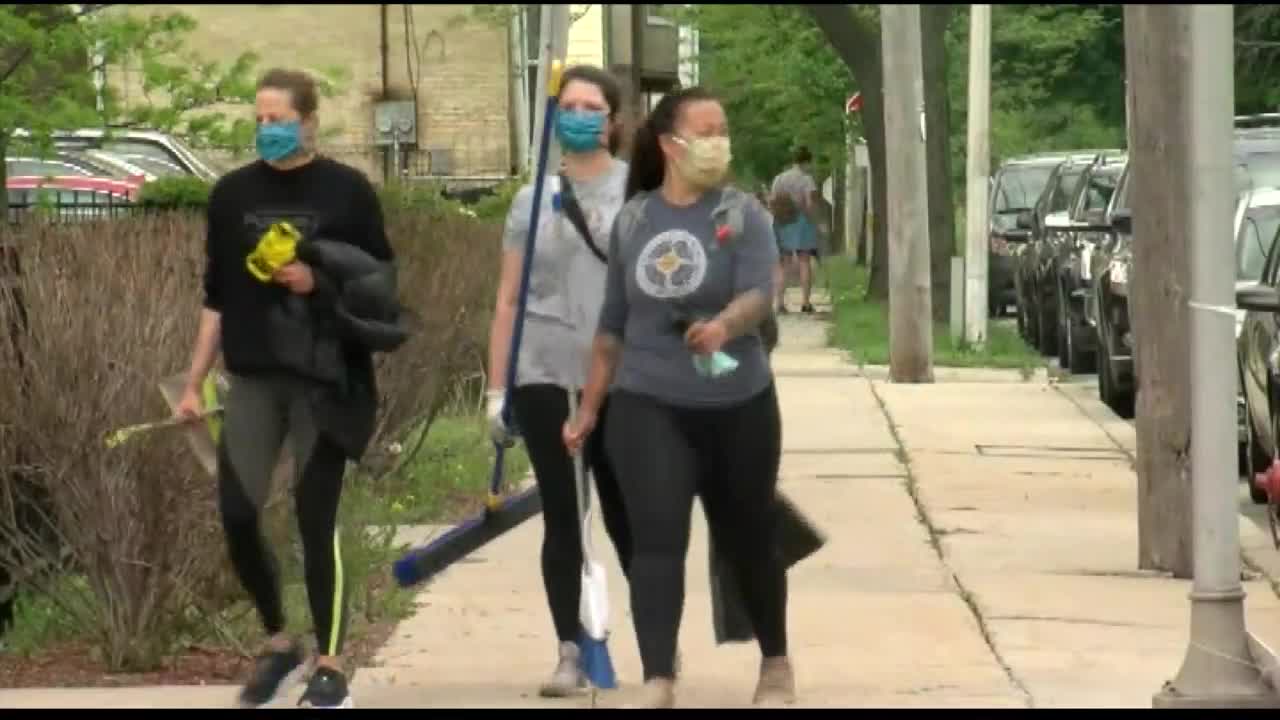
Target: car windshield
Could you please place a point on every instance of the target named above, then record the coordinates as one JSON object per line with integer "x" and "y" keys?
{"x": 1257, "y": 233}
{"x": 1019, "y": 186}
{"x": 1063, "y": 191}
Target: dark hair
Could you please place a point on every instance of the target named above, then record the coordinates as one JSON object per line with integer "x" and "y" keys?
{"x": 303, "y": 95}
{"x": 648, "y": 165}
{"x": 609, "y": 87}
{"x": 803, "y": 155}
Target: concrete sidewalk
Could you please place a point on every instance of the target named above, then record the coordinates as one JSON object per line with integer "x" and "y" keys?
{"x": 982, "y": 541}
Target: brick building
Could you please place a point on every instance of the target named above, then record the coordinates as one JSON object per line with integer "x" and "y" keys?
{"x": 452, "y": 76}
{"x": 460, "y": 72}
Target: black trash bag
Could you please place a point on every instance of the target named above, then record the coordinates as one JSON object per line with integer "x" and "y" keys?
{"x": 797, "y": 539}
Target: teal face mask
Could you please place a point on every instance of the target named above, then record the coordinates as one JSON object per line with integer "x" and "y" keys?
{"x": 277, "y": 141}
{"x": 717, "y": 364}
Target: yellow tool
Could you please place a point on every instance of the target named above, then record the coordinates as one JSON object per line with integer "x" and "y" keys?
{"x": 124, "y": 435}
{"x": 277, "y": 247}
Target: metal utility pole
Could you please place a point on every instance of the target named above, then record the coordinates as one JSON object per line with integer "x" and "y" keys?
{"x": 910, "y": 308}
{"x": 553, "y": 30}
{"x": 978, "y": 170}
{"x": 639, "y": 20}
{"x": 1222, "y": 665}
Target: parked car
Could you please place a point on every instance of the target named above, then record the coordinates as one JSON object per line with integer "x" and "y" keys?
{"x": 1038, "y": 318}
{"x": 125, "y": 142}
{"x": 1014, "y": 190}
{"x": 71, "y": 197}
{"x": 1257, "y": 225}
{"x": 70, "y": 162}
{"x": 1070, "y": 260}
{"x": 1108, "y": 313}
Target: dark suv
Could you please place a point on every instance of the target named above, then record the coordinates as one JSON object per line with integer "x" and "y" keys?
{"x": 1037, "y": 294}
{"x": 1014, "y": 190}
{"x": 1071, "y": 260}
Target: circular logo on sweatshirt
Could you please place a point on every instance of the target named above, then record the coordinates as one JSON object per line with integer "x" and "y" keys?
{"x": 671, "y": 265}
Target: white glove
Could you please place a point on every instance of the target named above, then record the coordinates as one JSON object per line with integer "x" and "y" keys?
{"x": 495, "y": 399}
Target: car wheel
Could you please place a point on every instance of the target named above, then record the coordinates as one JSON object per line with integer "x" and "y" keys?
{"x": 1120, "y": 404}
{"x": 1064, "y": 340}
{"x": 1047, "y": 332}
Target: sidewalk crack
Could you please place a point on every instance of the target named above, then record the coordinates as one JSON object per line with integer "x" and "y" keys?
{"x": 935, "y": 541}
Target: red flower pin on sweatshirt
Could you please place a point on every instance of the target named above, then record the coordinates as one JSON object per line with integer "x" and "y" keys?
{"x": 723, "y": 234}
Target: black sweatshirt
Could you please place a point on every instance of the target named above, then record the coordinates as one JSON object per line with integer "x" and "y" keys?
{"x": 323, "y": 199}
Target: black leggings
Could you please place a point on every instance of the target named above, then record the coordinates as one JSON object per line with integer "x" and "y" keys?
{"x": 259, "y": 415}
{"x": 727, "y": 456}
{"x": 540, "y": 413}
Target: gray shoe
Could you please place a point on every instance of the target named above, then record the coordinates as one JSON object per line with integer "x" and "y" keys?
{"x": 777, "y": 684}
{"x": 567, "y": 680}
{"x": 657, "y": 694}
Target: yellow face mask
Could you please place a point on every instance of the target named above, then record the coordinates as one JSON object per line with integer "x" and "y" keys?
{"x": 277, "y": 247}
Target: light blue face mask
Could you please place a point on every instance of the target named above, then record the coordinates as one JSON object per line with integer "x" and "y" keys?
{"x": 717, "y": 364}
{"x": 277, "y": 141}
{"x": 579, "y": 130}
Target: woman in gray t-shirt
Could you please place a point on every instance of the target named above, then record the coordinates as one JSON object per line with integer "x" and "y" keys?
{"x": 566, "y": 289}
{"x": 692, "y": 409}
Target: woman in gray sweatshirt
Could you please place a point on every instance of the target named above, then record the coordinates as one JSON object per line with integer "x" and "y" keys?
{"x": 692, "y": 409}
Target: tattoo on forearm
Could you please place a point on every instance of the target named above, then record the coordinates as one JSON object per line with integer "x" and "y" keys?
{"x": 745, "y": 313}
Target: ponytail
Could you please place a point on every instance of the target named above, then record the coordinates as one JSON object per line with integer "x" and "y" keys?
{"x": 648, "y": 163}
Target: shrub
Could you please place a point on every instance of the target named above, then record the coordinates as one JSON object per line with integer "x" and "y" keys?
{"x": 108, "y": 308}
{"x": 175, "y": 193}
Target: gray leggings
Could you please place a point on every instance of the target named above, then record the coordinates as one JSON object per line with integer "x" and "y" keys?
{"x": 261, "y": 411}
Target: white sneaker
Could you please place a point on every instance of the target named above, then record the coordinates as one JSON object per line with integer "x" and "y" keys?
{"x": 567, "y": 680}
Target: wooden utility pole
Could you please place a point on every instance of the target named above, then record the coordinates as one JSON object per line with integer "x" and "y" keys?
{"x": 978, "y": 170}
{"x": 1158, "y": 65}
{"x": 910, "y": 308}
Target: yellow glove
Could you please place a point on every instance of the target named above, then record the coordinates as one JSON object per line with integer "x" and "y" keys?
{"x": 277, "y": 247}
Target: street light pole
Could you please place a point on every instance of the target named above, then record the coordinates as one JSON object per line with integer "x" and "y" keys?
{"x": 979, "y": 169}
{"x": 1222, "y": 664}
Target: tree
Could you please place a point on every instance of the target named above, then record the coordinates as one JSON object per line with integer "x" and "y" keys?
{"x": 854, "y": 32}
{"x": 780, "y": 83}
{"x": 49, "y": 53}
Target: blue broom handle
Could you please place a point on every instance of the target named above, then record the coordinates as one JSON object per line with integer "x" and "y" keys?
{"x": 526, "y": 269}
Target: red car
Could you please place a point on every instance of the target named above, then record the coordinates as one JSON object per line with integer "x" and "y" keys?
{"x": 71, "y": 197}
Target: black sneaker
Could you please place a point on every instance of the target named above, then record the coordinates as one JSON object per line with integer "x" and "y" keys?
{"x": 270, "y": 673}
{"x": 807, "y": 309}
{"x": 327, "y": 689}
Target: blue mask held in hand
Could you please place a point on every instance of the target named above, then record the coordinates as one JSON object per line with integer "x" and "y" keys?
{"x": 717, "y": 364}
{"x": 579, "y": 130}
{"x": 277, "y": 141}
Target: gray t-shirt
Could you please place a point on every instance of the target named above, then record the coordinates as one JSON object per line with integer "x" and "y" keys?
{"x": 796, "y": 183}
{"x": 566, "y": 284}
{"x": 671, "y": 265}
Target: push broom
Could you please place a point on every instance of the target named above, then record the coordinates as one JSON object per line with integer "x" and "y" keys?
{"x": 423, "y": 563}
{"x": 593, "y": 610}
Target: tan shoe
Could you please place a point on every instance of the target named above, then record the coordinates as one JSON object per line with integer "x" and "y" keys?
{"x": 777, "y": 684}
{"x": 567, "y": 680}
{"x": 657, "y": 694}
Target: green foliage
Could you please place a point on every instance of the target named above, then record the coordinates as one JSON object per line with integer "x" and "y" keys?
{"x": 861, "y": 326}
{"x": 175, "y": 193}
{"x": 781, "y": 84}
{"x": 1257, "y": 58}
